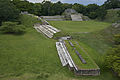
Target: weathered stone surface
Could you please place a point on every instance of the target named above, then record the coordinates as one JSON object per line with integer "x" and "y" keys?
{"x": 53, "y": 18}
{"x": 70, "y": 11}
{"x": 47, "y": 30}
{"x": 76, "y": 17}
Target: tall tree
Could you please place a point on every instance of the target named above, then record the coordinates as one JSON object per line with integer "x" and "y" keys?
{"x": 46, "y": 8}
{"x": 79, "y": 8}
{"x": 109, "y": 4}
{"x": 37, "y": 9}
{"x": 23, "y": 5}
{"x": 57, "y": 8}
{"x": 8, "y": 12}
{"x": 92, "y": 8}
{"x": 67, "y": 6}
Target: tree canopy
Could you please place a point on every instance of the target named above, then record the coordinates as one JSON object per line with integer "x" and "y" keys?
{"x": 48, "y": 8}
{"x": 111, "y": 4}
{"x": 8, "y": 12}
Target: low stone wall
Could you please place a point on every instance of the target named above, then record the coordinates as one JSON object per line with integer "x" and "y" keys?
{"x": 53, "y": 18}
{"x": 88, "y": 72}
{"x": 85, "y": 72}
{"x": 76, "y": 17}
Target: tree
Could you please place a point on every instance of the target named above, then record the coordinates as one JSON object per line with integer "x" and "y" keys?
{"x": 111, "y": 4}
{"x": 8, "y": 12}
{"x": 92, "y": 15}
{"x": 57, "y": 8}
{"x": 79, "y": 8}
{"x": 101, "y": 13}
{"x": 66, "y": 6}
{"x": 23, "y": 5}
{"x": 92, "y": 8}
{"x": 37, "y": 9}
{"x": 47, "y": 8}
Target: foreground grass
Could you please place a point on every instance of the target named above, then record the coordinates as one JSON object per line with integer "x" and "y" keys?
{"x": 32, "y": 56}
{"x": 28, "y": 56}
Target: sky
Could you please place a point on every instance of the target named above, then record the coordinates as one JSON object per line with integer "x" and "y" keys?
{"x": 85, "y": 2}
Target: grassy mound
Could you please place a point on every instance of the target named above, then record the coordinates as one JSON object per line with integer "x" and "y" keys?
{"x": 90, "y": 64}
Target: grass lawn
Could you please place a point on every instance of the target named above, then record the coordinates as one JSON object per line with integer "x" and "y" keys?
{"x": 90, "y": 64}
{"x": 32, "y": 56}
{"x": 79, "y": 26}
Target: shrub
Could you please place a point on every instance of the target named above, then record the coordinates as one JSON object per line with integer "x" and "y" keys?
{"x": 113, "y": 59}
{"x": 12, "y": 27}
{"x": 118, "y": 13}
{"x": 117, "y": 39}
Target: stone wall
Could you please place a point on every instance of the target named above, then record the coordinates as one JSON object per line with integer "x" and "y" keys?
{"x": 53, "y": 18}
{"x": 76, "y": 17}
{"x": 89, "y": 72}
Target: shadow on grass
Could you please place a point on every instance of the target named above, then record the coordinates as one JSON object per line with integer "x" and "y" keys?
{"x": 12, "y": 33}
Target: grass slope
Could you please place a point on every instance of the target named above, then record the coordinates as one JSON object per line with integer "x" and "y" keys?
{"x": 34, "y": 57}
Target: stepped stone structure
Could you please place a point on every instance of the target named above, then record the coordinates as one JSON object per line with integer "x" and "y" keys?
{"x": 46, "y": 30}
{"x": 76, "y": 17}
{"x": 70, "y": 11}
{"x": 66, "y": 60}
{"x": 69, "y": 14}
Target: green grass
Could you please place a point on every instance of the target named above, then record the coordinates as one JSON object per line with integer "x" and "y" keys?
{"x": 32, "y": 56}
{"x": 90, "y": 64}
{"x": 29, "y": 56}
{"x": 79, "y": 26}
{"x": 94, "y": 42}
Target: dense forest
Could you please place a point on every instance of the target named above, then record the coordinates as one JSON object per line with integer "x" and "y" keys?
{"x": 49, "y": 9}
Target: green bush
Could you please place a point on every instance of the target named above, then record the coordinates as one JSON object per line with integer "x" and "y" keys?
{"x": 117, "y": 39}
{"x": 113, "y": 59}
{"x": 12, "y": 27}
{"x": 118, "y": 13}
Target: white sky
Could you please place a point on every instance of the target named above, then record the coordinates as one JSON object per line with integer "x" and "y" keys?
{"x": 85, "y": 2}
